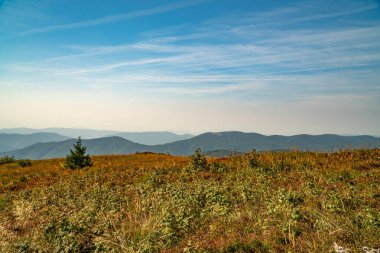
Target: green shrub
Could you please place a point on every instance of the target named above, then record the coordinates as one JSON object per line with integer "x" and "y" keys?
{"x": 24, "y": 162}
{"x": 217, "y": 167}
{"x": 7, "y": 159}
{"x": 254, "y": 246}
{"x": 295, "y": 198}
{"x": 252, "y": 159}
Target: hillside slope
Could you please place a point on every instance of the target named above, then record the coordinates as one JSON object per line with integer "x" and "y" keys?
{"x": 264, "y": 202}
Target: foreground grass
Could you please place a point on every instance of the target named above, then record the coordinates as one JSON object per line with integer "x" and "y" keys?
{"x": 270, "y": 202}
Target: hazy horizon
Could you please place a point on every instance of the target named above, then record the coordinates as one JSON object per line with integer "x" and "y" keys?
{"x": 179, "y": 132}
{"x": 286, "y": 68}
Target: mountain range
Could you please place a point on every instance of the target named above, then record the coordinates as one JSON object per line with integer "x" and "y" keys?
{"x": 208, "y": 142}
{"x": 147, "y": 138}
{"x": 14, "y": 141}
{"x": 152, "y": 138}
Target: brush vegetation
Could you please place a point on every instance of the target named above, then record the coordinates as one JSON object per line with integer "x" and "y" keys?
{"x": 266, "y": 202}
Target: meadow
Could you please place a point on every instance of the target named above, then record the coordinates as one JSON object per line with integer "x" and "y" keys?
{"x": 257, "y": 202}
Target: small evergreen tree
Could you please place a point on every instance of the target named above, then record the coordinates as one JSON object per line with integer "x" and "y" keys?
{"x": 198, "y": 160}
{"x": 78, "y": 158}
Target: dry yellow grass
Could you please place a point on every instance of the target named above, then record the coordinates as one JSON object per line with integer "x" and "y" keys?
{"x": 269, "y": 202}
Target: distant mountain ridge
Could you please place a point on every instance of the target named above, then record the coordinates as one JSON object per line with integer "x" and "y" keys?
{"x": 13, "y": 141}
{"x": 152, "y": 138}
{"x": 71, "y": 132}
{"x": 208, "y": 142}
{"x": 147, "y": 138}
{"x": 106, "y": 145}
{"x": 244, "y": 142}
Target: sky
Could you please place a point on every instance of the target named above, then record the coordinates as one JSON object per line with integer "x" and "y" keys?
{"x": 271, "y": 67}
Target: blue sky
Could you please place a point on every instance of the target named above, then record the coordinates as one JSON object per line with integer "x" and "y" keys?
{"x": 273, "y": 67}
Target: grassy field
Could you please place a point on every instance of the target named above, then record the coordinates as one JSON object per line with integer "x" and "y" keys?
{"x": 267, "y": 202}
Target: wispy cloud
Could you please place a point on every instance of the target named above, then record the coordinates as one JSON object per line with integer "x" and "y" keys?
{"x": 250, "y": 25}
{"x": 116, "y": 17}
{"x": 312, "y": 10}
{"x": 264, "y": 60}
{"x": 294, "y": 51}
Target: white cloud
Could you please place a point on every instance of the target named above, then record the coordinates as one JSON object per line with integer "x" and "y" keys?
{"x": 115, "y": 18}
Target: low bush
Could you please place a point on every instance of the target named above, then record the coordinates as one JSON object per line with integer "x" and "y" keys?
{"x": 24, "y": 163}
{"x": 7, "y": 159}
{"x": 218, "y": 167}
